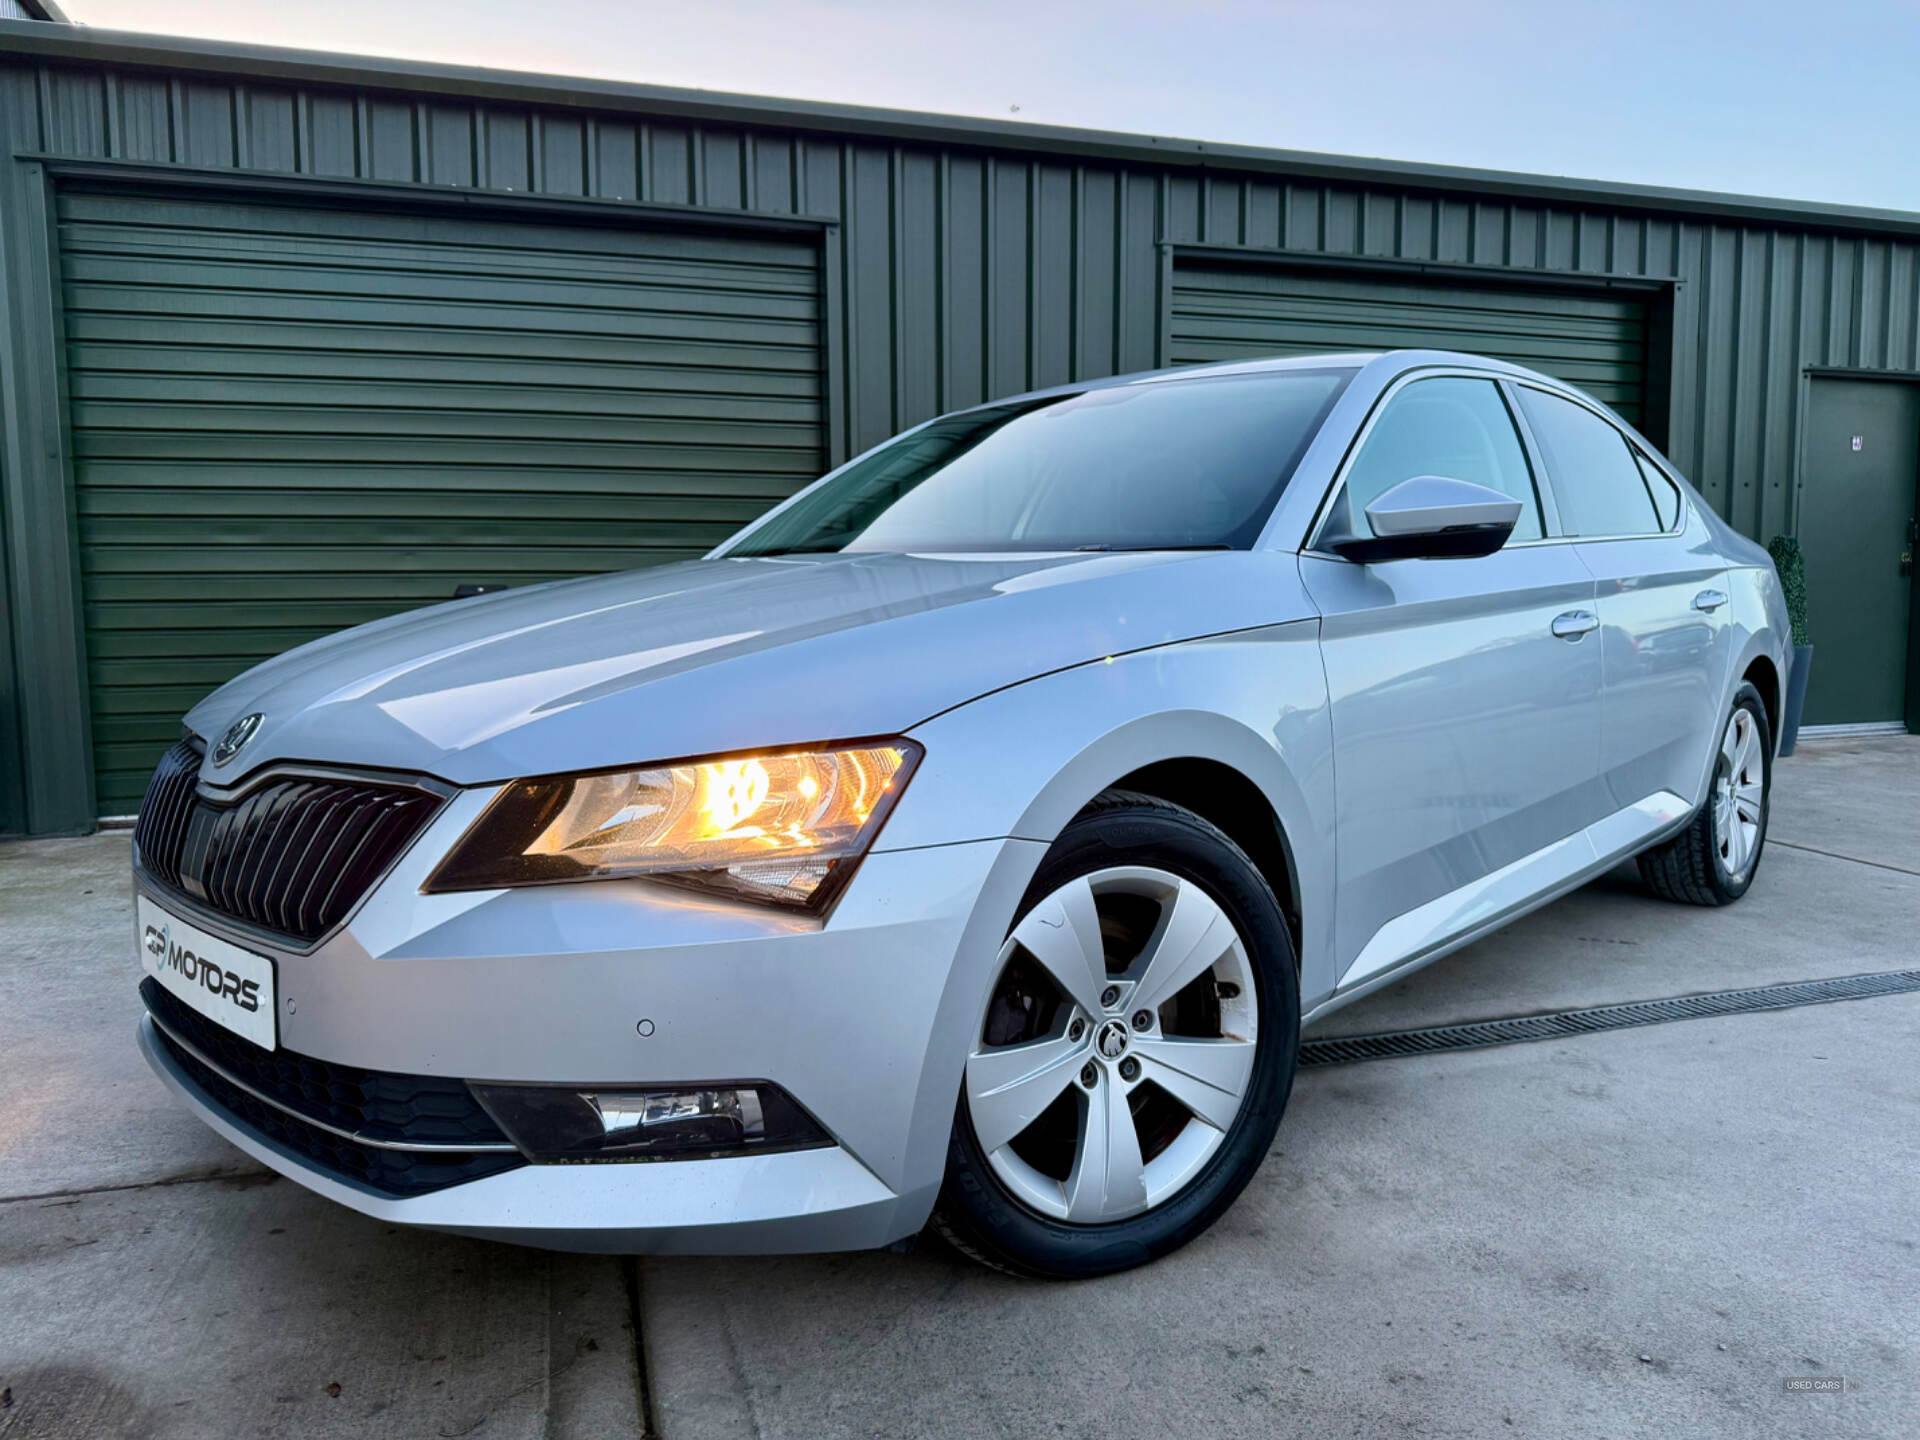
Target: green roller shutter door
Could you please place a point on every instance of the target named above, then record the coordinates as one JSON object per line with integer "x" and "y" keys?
{"x": 286, "y": 420}
{"x": 1597, "y": 342}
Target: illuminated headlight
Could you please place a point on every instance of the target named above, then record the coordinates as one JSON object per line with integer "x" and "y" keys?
{"x": 787, "y": 828}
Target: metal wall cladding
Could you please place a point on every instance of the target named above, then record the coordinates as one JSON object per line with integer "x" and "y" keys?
{"x": 962, "y": 270}
{"x": 288, "y": 419}
{"x": 968, "y": 275}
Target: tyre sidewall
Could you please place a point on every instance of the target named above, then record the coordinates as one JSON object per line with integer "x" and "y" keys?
{"x": 1732, "y": 887}
{"x": 1165, "y": 838}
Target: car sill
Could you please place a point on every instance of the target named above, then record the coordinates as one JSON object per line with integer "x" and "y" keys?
{"x": 1444, "y": 924}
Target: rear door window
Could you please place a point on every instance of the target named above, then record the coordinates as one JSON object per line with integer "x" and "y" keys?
{"x": 1595, "y": 478}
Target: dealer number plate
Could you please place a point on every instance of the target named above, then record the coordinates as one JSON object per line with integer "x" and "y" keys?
{"x": 227, "y": 984}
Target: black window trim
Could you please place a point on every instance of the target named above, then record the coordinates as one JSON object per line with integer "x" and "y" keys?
{"x": 1647, "y": 460}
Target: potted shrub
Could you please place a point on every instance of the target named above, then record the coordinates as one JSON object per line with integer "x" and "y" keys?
{"x": 1793, "y": 584}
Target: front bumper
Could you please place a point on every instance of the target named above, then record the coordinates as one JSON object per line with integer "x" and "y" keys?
{"x": 802, "y": 1200}
{"x": 863, "y": 1021}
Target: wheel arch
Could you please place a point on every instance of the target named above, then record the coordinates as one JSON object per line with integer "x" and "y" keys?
{"x": 1254, "y": 723}
{"x": 1250, "y": 750}
{"x": 1233, "y": 777}
{"x": 1226, "y": 798}
{"x": 1764, "y": 675}
{"x": 1758, "y": 659}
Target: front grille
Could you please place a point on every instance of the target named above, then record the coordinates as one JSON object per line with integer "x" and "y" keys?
{"x": 371, "y": 1104}
{"x": 293, "y": 854}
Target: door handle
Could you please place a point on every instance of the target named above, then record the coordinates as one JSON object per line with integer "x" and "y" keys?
{"x": 1709, "y": 600}
{"x": 1574, "y": 624}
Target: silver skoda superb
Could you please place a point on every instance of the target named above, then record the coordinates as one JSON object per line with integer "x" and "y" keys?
{"x": 966, "y": 841}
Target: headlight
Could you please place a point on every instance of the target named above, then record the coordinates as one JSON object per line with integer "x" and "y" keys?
{"x": 781, "y": 828}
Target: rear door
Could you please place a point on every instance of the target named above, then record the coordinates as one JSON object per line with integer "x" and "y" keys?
{"x": 1661, "y": 595}
{"x": 1466, "y": 731}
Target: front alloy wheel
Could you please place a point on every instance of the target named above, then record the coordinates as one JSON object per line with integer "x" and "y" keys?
{"x": 1135, "y": 1050}
{"x": 1118, "y": 1046}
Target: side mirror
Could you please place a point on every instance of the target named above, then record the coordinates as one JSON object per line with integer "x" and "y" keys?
{"x": 1432, "y": 517}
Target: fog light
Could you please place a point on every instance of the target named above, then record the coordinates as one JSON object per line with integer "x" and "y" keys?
{"x": 552, "y": 1123}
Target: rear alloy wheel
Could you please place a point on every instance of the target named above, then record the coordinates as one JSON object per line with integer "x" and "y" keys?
{"x": 1739, "y": 794}
{"x": 1135, "y": 1053}
{"x": 1712, "y": 861}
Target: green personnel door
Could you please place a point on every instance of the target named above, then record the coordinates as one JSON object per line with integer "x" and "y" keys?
{"x": 287, "y": 419}
{"x": 1858, "y": 508}
{"x": 1595, "y": 341}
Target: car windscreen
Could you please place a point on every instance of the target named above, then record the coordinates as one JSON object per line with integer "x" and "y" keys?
{"x": 1176, "y": 464}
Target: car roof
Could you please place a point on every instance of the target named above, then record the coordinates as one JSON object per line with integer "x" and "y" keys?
{"x": 1379, "y": 367}
{"x": 1388, "y": 362}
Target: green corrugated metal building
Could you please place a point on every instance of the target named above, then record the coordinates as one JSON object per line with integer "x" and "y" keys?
{"x": 293, "y": 341}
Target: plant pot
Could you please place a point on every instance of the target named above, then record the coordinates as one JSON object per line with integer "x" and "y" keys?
{"x": 1796, "y": 698}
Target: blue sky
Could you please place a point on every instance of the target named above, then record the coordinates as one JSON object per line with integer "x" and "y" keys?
{"x": 1815, "y": 102}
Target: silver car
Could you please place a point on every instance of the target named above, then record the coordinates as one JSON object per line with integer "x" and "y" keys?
{"x": 967, "y": 840}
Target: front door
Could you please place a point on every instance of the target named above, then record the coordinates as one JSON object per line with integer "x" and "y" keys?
{"x": 1856, "y": 533}
{"x": 1465, "y": 729}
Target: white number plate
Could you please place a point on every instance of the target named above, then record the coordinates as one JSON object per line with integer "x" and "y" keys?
{"x": 228, "y": 985}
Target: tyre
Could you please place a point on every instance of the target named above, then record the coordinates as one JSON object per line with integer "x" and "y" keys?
{"x": 1713, "y": 860}
{"x": 1135, "y": 1054}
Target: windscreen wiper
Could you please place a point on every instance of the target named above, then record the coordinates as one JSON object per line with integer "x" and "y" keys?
{"x": 1140, "y": 549}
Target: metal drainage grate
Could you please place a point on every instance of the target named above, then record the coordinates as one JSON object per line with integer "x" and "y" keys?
{"x": 1481, "y": 1033}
